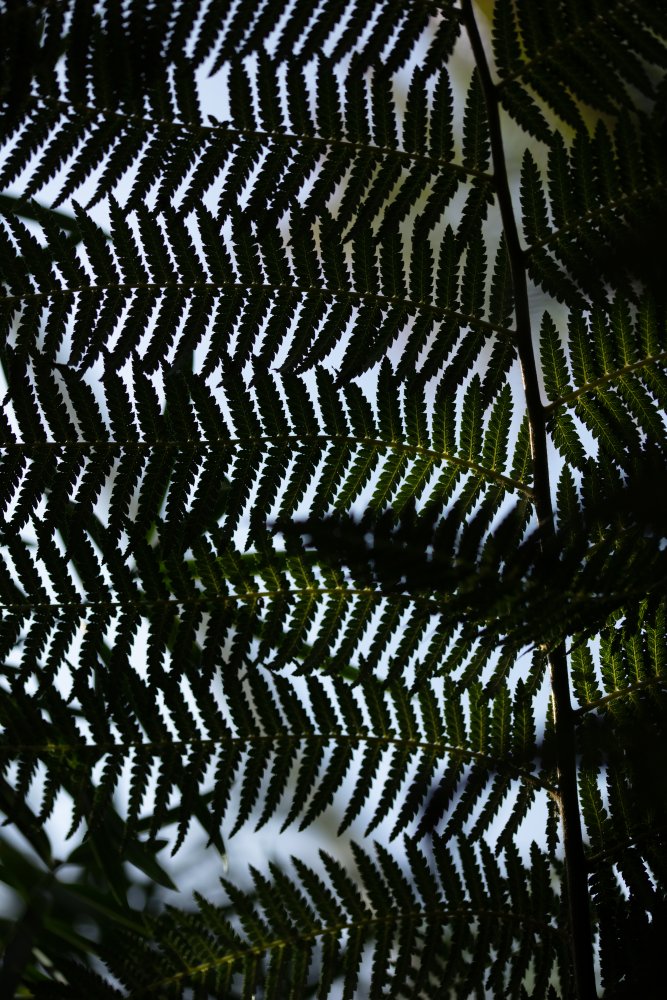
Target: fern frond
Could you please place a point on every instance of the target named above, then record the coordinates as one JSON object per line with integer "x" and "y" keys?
{"x": 256, "y": 741}
{"x": 612, "y": 374}
{"x": 397, "y": 915}
{"x": 593, "y": 189}
{"x": 571, "y": 56}
{"x": 279, "y": 530}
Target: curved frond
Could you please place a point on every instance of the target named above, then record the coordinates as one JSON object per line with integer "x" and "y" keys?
{"x": 384, "y": 912}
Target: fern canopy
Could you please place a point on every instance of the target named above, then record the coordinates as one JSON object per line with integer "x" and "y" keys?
{"x": 333, "y": 445}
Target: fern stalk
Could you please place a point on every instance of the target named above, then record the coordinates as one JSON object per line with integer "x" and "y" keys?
{"x": 563, "y": 713}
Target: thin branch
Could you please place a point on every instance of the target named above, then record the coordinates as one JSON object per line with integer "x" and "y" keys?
{"x": 27, "y": 209}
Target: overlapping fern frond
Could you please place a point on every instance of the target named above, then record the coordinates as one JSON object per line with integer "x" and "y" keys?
{"x": 568, "y": 55}
{"x": 273, "y": 497}
{"x": 412, "y": 927}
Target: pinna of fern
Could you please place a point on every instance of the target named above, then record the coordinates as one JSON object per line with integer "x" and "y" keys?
{"x": 186, "y": 429}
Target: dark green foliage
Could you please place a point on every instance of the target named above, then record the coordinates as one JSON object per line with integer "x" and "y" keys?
{"x": 270, "y": 551}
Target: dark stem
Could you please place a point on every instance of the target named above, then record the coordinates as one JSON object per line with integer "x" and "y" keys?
{"x": 563, "y": 714}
